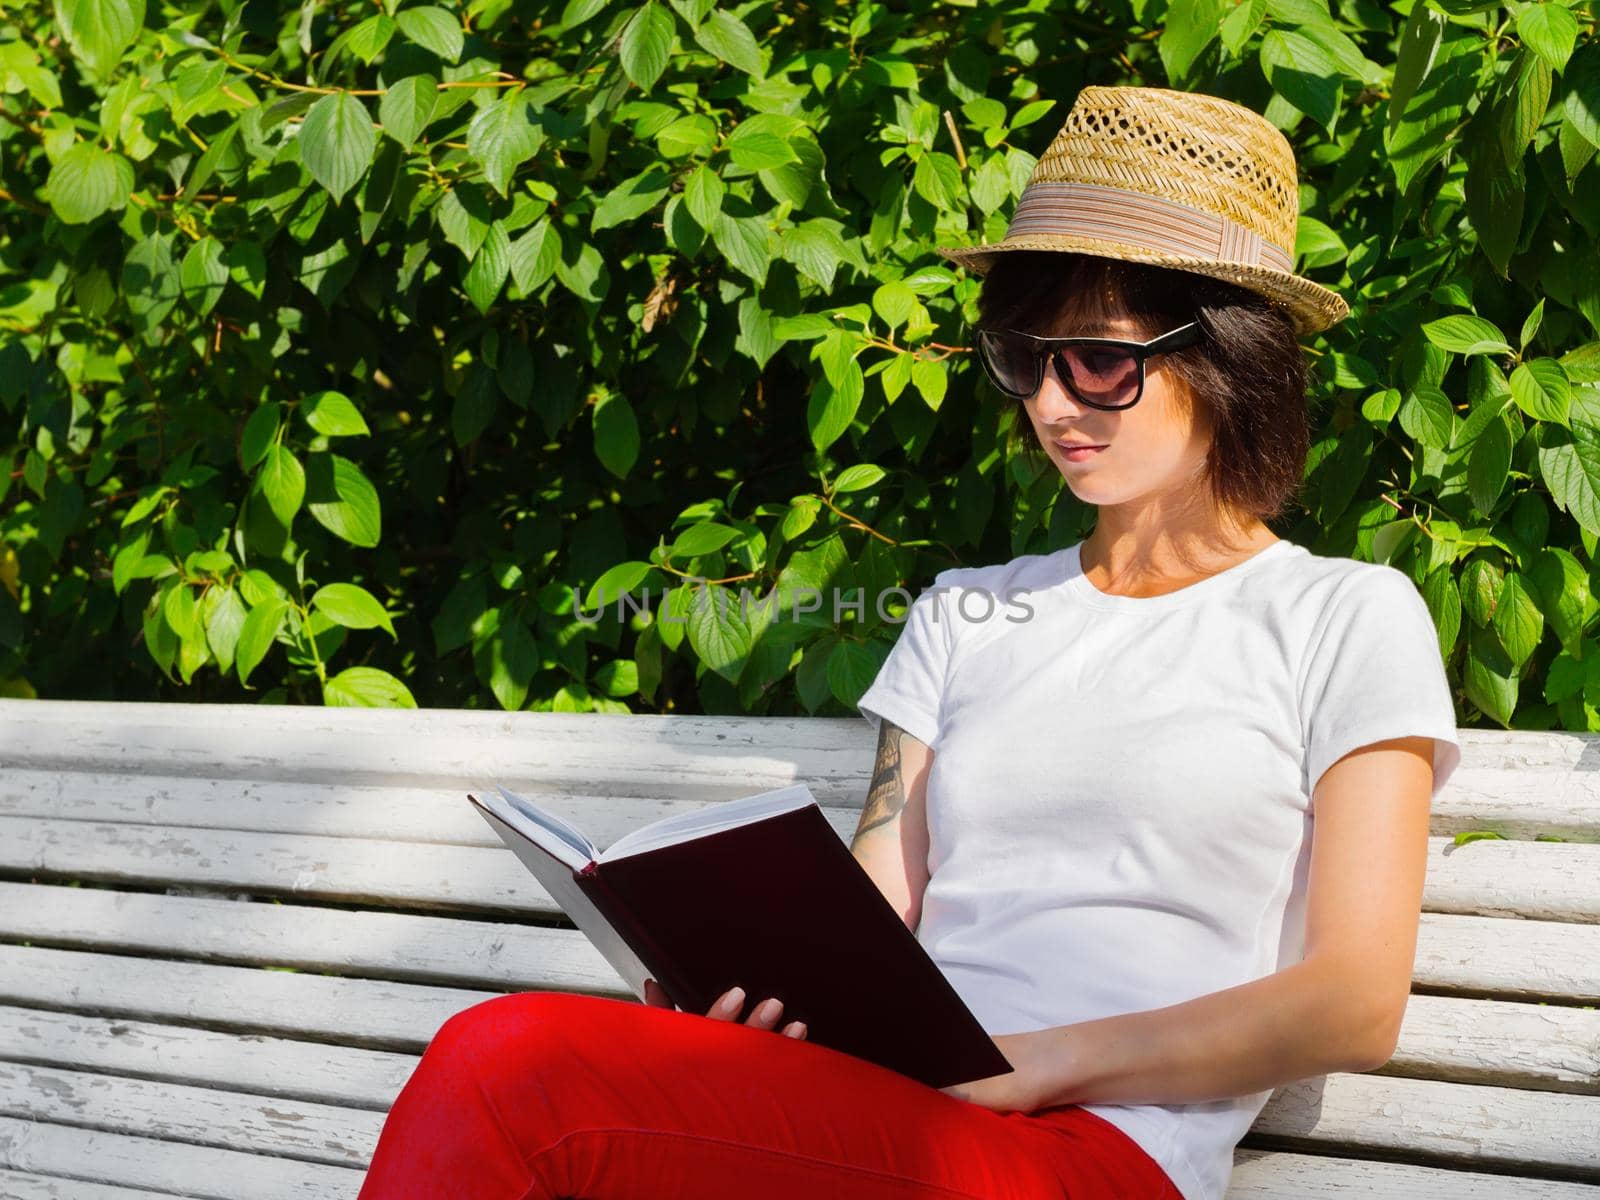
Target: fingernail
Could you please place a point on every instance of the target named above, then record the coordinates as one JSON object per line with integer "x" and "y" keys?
{"x": 732, "y": 1001}
{"x": 771, "y": 1009}
{"x": 797, "y": 1031}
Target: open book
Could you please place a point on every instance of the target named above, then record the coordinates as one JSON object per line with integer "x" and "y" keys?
{"x": 762, "y": 893}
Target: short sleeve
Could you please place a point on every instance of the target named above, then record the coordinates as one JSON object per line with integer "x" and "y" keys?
{"x": 909, "y": 687}
{"x": 1375, "y": 672}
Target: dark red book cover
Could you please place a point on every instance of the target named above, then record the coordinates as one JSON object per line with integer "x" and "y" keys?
{"x": 781, "y": 908}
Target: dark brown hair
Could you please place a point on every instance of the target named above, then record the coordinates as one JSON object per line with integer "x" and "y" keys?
{"x": 1248, "y": 369}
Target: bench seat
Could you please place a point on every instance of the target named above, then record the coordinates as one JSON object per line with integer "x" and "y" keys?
{"x": 227, "y": 932}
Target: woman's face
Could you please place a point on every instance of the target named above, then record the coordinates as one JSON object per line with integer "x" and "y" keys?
{"x": 1156, "y": 448}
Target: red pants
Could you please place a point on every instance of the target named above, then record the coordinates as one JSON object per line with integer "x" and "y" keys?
{"x": 540, "y": 1095}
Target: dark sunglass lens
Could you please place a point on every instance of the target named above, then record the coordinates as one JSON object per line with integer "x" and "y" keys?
{"x": 1011, "y": 362}
{"x": 1102, "y": 374}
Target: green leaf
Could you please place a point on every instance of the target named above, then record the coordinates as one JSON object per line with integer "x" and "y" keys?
{"x": 647, "y": 44}
{"x": 831, "y": 409}
{"x": 755, "y": 149}
{"x": 510, "y": 659}
{"x": 336, "y": 142}
{"x": 1541, "y": 390}
{"x": 616, "y": 434}
{"x": 475, "y": 404}
{"x": 1466, "y": 335}
{"x": 1569, "y": 462}
{"x": 1561, "y": 585}
{"x": 894, "y": 302}
{"x": 432, "y": 29}
{"x": 702, "y": 195}
{"x": 283, "y": 483}
{"x": 534, "y": 256}
{"x": 333, "y": 413}
{"x": 87, "y": 181}
{"x": 486, "y": 274}
{"x": 730, "y": 39}
{"x": 616, "y": 583}
{"x": 407, "y": 107}
{"x": 1188, "y": 29}
{"x": 367, "y": 40}
{"x": 1550, "y": 31}
{"x": 1489, "y": 678}
{"x": 631, "y": 198}
{"x": 858, "y": 477}
{"x": 743, "y": 242}
{"x": 352, "y": 606}
{"x": 816, "y": 249}
{"x": 260, "y": 431}
{"x": 1582, "y": 103}
{"x": 1523, "y": 111}
{"x": 256, "y": 635}
{"x": 224, "y": 618}
{"x": 702, "y": 538}
{"x": 203, "y": 275}
{"x": 1487, "y": 466}
{"x": 1517, "y": 619}
{"x": 150, "y": 281}
{"x": 1303, "y": 73}
{"x": 99, "y": 30}
{"x": 366, "y": 687}
{"x": 687, "y": 135}
{"x": 342, "y": 500}
{"x": 1427, "y": 416}
{"x": 718, "y": 631}
{"x": 937, "y": 179}
{"x": 852, "y": 666}
{"x": 503, "y": 136}
{"x": 932, "y": 381}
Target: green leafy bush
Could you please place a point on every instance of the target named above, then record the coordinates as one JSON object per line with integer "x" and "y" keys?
{"x": 346, "y": 345}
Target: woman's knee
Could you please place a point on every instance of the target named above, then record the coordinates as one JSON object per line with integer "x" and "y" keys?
{"x": 520, "y": 1022}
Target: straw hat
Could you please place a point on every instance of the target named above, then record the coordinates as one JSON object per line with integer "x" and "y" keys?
{"x": 1177, "y": 179}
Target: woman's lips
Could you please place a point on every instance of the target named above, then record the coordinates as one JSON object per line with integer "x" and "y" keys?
{"x": 1079, "y": 453}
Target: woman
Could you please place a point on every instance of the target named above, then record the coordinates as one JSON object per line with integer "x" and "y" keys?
{"x": 1097, "y": 777}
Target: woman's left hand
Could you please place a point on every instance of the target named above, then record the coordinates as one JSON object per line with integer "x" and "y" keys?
{"x": 1038, "y": 1063}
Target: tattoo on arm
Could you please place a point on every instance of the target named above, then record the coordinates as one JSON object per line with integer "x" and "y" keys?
{"x": 887, "y": 794}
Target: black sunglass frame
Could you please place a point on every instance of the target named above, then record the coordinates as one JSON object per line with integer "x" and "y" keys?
{"x": 1176, "y": 339}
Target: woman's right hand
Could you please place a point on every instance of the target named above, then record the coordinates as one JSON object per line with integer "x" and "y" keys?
{"x": 764, "y": 1016}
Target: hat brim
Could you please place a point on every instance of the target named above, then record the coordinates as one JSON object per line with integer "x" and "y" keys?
{"x": 1310, "y": 306}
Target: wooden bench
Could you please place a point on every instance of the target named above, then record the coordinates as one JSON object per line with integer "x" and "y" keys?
{"x": 226, "y": 933}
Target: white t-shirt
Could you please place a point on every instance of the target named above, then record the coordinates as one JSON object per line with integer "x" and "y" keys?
{"x": 1119, "y": 807}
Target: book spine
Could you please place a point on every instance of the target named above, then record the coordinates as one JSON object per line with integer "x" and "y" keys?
{"x": 611, "y": 906}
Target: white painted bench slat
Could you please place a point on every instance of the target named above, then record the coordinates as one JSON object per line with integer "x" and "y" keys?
{"x": 379, "y": 1013}
{"x": 1524, "y": 782}
{"x": 1274, "y": 1175}
{"x": 200, "y": 1116}
{"x": 1444, "y": 1037}
{"x": 1476, "y": 799}
{"x": 286, "y": 1068}
{"x": 1448, "y": 1121}
{"x": 1484, "y": 1126}
{"x": 15, "y": 1185}
{"x": 97, "y": 1156}
{"x": 1550, "y": 881}
{"x": 1477, "y": 955}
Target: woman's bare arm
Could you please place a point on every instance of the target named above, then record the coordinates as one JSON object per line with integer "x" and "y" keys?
{"x": 891, "y": 841}
{"x": 1339, "y": 1009}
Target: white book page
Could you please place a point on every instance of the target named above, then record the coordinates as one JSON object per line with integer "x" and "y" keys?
{"x": 559, "y": 837}
{"x": 683, "y": 827}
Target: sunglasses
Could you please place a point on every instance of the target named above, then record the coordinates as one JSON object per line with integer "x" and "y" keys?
{"x": 1104, "y": 373}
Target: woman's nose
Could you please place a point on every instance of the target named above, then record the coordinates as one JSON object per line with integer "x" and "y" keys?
{"x": 1053, "y": 400}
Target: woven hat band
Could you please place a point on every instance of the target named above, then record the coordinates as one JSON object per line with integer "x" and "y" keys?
{"x": 1133, "y": 218}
